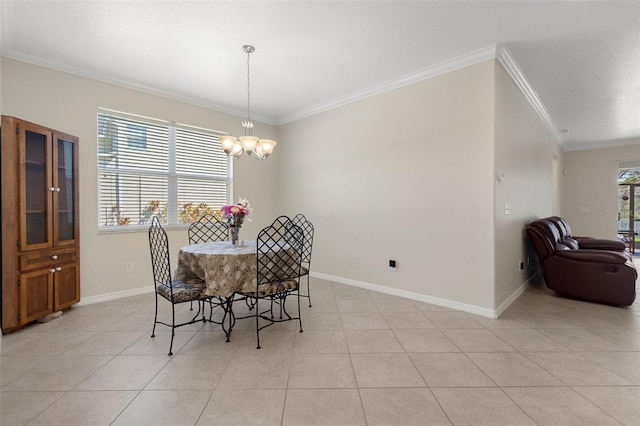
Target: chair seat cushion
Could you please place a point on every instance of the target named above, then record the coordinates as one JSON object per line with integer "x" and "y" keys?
{"x": 272, "y": 288}
{"x": 182, "y": 291}
{"x": 303, "y": 271}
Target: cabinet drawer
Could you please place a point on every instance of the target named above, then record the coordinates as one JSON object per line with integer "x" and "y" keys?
{"x": 49, "y": 257}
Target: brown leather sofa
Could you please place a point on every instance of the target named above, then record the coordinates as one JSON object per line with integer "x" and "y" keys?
{"x": 582, "y": 267}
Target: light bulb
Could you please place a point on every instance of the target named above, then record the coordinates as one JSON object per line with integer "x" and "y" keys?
{"x": 227, "y": 142}
{"x": 248, "y": 143}
{"x": 266, "y": 146}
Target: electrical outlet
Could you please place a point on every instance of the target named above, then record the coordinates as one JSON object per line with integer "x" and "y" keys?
{"x": 128, "y": 267}
{"x": 392, "y": 265}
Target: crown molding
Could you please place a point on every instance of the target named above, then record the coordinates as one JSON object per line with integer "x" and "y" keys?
{"x": 497, "y": 51}
{"x": 6, "y": 41}
{"x": 585, "y": 145}
{"x": 503, "y": 54}
{"x": 457, "y": 63}
{"x": 134, "y": 85}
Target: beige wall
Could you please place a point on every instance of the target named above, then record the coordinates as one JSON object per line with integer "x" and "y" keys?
{"x": 69, "y": 103}
{"x": 405, "y": 175}
{"x": 408, "y": 175}
{"x": 524, "y": 151}
{"x": 1, "y": 60}
{"x": 590, "y": 200}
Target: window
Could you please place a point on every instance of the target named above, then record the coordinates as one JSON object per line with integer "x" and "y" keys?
{"x": 151, "y": 167}
{"x": 136, "y": 136}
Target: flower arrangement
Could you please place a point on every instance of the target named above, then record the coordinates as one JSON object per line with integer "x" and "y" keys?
{"x": 235, "y": 213}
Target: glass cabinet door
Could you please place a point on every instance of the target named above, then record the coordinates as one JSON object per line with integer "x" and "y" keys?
{"x": 35, "y": 196}
{"x": 65, "y": 223}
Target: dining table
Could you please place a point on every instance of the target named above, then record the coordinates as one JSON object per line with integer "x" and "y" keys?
{"x": 224, "y": 267}
{"x": 228, "y": 268}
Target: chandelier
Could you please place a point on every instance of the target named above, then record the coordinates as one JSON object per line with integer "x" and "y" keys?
{"x": 249, "y": 144}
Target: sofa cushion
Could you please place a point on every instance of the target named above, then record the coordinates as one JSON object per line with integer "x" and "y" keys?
{"x": 571, "y": 243}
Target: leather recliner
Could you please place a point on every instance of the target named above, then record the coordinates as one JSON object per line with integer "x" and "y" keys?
{"x": 585, "y": 268}
{"x": 583, "y": 242}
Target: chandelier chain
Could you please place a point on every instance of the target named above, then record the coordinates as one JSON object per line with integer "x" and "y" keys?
{"x": 248, "y": 86}
{"x": 249, "y": 144}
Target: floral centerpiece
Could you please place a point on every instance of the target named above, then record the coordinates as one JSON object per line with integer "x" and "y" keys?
{"x": 234, "y": 214}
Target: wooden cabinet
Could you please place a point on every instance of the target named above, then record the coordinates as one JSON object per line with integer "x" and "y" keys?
{"x": 40, "y": 227}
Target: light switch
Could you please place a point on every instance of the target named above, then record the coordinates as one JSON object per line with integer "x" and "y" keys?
{"x": 507, "y": 209}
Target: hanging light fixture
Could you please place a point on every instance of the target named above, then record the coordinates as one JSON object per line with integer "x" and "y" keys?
{"x": 249, "y": 144}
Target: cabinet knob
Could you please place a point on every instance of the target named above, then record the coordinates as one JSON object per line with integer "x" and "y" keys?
{"x": 54, "y": 257}
{"x": 57, "y": 189}
{"x": 58, "y": 269}
{"x": 51, "y": 188}
{"x": 53, "y": 271}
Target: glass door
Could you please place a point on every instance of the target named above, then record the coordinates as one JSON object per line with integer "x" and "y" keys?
{"x": 36, "y": 189}
{"x": 629, "y": 212}
{"x": 65, "y": 197}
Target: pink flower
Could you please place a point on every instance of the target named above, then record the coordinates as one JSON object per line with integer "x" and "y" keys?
{"x": 235, "y": 213}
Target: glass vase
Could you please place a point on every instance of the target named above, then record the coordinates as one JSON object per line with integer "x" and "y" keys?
{"x": 234, "y": 231}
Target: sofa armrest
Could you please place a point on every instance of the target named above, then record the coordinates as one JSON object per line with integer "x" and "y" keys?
{"x": 598, "y": 244}
{"x": 597, "y": 256}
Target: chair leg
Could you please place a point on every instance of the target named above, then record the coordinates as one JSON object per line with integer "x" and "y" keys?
{"x": 250, "y": 306}
{"x": 191, "y": 306}
{"x": 257, "y": 324}
{"x": 299, "y": 313}
{"x": 155, "y": 319}
{"x": 173, "y": 327}
{"x": 173, "y": 334}
{"x": 308, "y": 291}
{"x": 228, "y": 311}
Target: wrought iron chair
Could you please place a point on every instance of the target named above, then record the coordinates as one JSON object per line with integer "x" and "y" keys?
{"x": 307, "y": 229}
{"x": 173, "y": 291}
{"x": 208, "y": 228}
{"x": 279, "y": 261}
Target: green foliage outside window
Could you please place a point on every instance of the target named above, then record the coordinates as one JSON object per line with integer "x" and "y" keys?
{"x": 187, "y": 213}
{"x": 190, "y": 212}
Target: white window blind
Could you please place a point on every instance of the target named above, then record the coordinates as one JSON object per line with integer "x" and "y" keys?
{"x": 151, "y": 167}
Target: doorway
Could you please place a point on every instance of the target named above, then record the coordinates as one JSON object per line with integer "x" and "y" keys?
{"x": 629, "y": 206}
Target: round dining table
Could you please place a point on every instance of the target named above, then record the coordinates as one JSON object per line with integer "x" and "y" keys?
{"x": 224, "y": 267}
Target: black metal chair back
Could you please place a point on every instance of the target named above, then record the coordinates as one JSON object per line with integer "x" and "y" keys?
{"x": 279, "y": 252}
{"x": 207, "y": 229}
{"x": 159, "y": 246}
{"x": 307, "y": 229}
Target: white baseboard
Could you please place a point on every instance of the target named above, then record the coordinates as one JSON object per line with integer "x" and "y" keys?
{"x": 464, "y": 307}
{"x": 504, "y": 305}
{"x": 115, "y": 295}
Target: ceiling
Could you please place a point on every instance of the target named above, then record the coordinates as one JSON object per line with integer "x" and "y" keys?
{"x": 582, "y": 59}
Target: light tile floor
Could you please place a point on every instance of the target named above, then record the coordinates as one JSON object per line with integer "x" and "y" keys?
{"x": 364, "y": 358}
